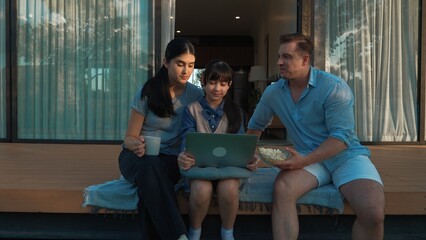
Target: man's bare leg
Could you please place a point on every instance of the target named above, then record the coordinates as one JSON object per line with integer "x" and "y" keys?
{"x": 367, "y": 199}
{"x": 288, "y": 187}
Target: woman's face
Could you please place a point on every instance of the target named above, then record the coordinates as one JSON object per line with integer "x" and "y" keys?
{"x": 180, "y": 68}
{"x": 216, "y": 90}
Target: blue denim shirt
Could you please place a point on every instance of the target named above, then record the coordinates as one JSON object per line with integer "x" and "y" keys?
{"x": 325, "y": 109}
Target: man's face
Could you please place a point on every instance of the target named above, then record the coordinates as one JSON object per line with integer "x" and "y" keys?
{"x": 292, "y": 63}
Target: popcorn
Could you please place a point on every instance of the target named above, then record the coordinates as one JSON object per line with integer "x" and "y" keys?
{"x": 272, "y": 155}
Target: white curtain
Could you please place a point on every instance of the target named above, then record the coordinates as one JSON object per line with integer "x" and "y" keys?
{"x": 168, "y": 14}
{"x": 373, "y": 44}
{"x": 2, "y": 69}
{"x": 80, "y": 63}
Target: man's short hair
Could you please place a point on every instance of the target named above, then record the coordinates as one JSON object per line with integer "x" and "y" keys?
{"x": 303, "y": 42}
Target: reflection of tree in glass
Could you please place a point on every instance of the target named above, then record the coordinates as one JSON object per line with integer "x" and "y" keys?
{"x": 351, "y": 40}
{"x": 372, "y": 45}
{"x": 82, "y": 35}
{"x": 95, "y": 34}
{"x": 80, "y": 62}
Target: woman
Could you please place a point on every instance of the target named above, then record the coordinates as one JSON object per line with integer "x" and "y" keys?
{"x": 156, "y": 111}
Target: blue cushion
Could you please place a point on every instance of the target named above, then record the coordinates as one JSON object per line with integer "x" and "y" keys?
{"x": 213, "y": 173}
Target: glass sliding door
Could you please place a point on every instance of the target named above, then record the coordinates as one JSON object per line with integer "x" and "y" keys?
{"x": 80, "y": 63}
{"x": 374, "y": 45}
{"x": 3, "y": 99}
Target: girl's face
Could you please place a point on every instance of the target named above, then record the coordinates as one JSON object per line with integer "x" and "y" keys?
{"x": 216, "y": 90}
{"x": 180, "y": 68}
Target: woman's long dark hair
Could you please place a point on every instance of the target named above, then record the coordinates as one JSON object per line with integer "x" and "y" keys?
{"x": 221, "y": 71}
{"x": 156, "y": 89}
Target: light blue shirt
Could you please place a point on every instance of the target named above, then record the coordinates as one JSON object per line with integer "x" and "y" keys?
{"x": 324, "y": 109}
{"x": 168, "y": 127}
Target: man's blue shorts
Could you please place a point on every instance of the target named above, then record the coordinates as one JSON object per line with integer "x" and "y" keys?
{"x": 344, "y": 168}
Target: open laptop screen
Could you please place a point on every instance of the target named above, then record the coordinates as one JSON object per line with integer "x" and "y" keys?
{"x": 221, "y": 150}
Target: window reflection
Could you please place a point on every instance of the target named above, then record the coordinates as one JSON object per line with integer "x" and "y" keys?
{"x": 79, "y": 65}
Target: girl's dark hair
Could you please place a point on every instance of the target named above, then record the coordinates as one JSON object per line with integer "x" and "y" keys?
{"x": 221, "y": 71}
{"x": 156, "y": 89}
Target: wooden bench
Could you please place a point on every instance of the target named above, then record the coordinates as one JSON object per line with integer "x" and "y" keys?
{"x": 50, "y": 178}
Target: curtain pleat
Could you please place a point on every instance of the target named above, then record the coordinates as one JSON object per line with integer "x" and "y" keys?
{"x": 373, "y": 45}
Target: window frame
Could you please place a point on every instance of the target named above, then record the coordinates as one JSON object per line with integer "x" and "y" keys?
{"x": 12, "y": 75}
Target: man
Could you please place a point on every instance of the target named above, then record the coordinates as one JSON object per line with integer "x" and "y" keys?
{"x": 316, "y": 108}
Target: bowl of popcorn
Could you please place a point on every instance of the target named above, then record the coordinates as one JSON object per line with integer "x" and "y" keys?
{"x": 272, "y": 155}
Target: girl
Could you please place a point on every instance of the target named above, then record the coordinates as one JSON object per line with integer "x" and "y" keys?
{"x": 156, "y": 110}
{"x": 219, "y": 114}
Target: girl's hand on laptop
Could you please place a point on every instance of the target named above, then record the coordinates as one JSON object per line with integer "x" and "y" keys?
{"x": 253, "y": 165}
{"x": 185, "y": 162}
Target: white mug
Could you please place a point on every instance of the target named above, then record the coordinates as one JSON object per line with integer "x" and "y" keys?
{"x": 152, "y": 145}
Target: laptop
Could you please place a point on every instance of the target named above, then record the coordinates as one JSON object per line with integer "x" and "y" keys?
{"x": 221, "y": 149}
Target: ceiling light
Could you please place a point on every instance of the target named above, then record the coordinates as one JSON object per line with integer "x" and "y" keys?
{"x": 237, "y": 17}
{"x": 178, "y": 31}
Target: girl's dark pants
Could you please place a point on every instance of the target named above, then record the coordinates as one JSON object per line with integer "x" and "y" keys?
{"x": 155, "y": 176}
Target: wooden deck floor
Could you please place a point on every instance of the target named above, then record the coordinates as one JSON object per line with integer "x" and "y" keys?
{"x": 51, "y": 177}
